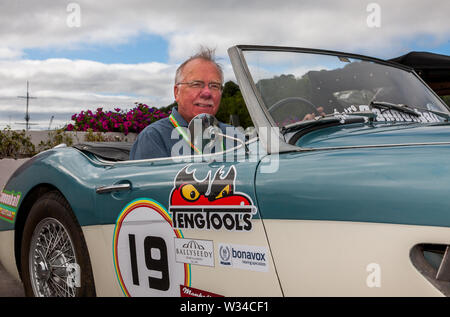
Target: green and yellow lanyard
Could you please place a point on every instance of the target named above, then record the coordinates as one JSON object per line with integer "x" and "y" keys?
{"x": 182, "y": 132}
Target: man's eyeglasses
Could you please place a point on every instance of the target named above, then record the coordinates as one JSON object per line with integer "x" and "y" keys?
{"x": 198, "y": 84}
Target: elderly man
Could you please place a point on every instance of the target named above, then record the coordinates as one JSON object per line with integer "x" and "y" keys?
{"x": 197, "y": 89}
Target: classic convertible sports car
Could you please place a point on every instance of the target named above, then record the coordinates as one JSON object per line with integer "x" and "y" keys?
{"x": 341, "y": 189}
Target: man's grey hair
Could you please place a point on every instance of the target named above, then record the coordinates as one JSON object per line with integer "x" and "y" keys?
{"x": 204, "y": 53}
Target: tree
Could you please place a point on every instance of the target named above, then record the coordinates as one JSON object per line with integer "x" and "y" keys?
{"x": 232, "y": 103}
{"x": 446, "y": 99}
{"x": 169, "y": 107}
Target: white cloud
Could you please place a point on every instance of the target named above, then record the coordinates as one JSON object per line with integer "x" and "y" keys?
{"x": 185, "y": 24}
{"x": 8, "y": 53}
{"x": 66, "y": 86}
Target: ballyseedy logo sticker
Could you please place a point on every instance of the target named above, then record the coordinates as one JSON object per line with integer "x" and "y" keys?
{"x": 197, "y": 252}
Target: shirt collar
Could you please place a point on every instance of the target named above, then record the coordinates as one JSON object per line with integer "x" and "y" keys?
{"x": 178, "y": 117}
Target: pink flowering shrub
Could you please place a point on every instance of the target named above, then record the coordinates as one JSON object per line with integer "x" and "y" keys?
{"x": 135, "y": 120}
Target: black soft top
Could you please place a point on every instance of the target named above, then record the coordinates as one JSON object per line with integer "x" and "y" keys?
{"x": 111, "y": 151}
{"x": 433, "y": 68}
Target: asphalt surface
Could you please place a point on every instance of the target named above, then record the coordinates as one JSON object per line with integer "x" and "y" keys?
{"x": 9, "y": 286}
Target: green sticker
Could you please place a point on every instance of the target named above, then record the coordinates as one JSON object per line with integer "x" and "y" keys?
{"x": 9, "y": 201}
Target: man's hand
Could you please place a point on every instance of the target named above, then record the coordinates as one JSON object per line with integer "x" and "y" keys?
{"x": 312, "y": 116}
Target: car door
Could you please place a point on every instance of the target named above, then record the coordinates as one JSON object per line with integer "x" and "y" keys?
{"x": 340, "y": 231}
{"x": 184, "y": 229}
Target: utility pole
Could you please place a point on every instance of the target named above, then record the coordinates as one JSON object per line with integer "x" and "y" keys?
{"x": 27, "y": 115}
{"x": 51, "y": 120}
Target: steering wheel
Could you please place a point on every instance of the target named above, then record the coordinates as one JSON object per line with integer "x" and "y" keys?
{"x": 275, "y": 110}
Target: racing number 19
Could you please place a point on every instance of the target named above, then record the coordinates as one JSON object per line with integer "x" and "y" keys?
{"x": 154, "y": 262}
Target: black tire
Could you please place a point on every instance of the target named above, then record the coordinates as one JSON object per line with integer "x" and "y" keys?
{"x": 52, "y": 214}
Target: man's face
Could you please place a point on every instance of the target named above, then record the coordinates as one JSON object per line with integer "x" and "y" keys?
{"x": 193, "y": 101}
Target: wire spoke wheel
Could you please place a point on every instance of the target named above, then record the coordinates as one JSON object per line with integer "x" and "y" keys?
{"x": 54, "y": 259}
{"x": 51, "y": 260}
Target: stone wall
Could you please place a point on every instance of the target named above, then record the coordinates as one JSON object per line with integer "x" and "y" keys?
{"x": 80, "y": 137}
{"x": 7, "y": 167}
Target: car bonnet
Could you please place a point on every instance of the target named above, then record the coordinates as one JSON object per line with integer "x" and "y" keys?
{"x": 375, "y": 135}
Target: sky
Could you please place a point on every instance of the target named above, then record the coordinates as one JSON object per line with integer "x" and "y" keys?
{"x": 80, "y": 55}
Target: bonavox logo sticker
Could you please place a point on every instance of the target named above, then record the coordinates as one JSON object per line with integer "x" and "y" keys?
{"x": 211, "y": 203}
{"x": 253, "y": 258}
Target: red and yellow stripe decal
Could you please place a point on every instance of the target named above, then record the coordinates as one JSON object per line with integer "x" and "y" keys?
{"x": 7, "y": 214}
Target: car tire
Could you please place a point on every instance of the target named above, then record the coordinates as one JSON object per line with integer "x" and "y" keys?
{"x": 54, "y": 256}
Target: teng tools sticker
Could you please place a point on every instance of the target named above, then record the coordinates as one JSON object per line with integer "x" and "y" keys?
{"x": 210, "y": 204}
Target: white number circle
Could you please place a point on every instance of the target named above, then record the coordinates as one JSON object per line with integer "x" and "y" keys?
{"x": 144, "y": 255}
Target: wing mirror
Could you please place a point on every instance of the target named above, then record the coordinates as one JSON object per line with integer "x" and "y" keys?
{"x": 200, "y": 128}
{"x": 206, "y": 134}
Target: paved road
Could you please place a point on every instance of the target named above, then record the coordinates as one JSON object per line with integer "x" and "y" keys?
{"x": 9, "y": 287}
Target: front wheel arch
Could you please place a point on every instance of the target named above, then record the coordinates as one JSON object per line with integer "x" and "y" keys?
{"x": 22, "y": 215}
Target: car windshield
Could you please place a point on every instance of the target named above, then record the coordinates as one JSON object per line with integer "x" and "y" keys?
{"x": 297, "y": 86}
